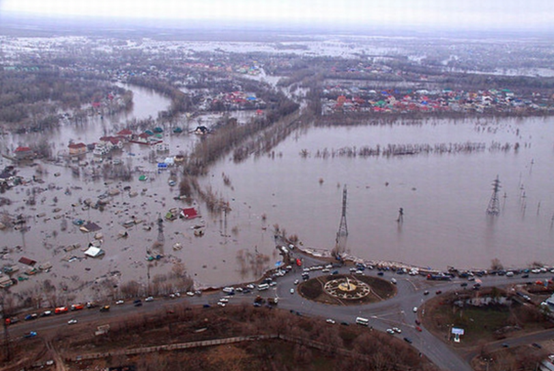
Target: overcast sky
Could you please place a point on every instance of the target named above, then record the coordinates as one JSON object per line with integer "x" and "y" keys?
{"x": 453, "y": 14}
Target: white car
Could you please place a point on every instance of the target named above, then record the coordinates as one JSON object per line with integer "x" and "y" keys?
{"x": 72, "y": 322}
{"x": 119, "y": 302}
{"x": 220, "y": 304}
{"x": 223, "y": 300}
{"x": 415, "y": 309}
{"x": 390, "y": 331}
{"x": 148, "y": 299}
{"x": 296, "y": 282}
{"x": 292, "y": 291}
{"x": 397, "y": 330}
{"x": 330, "y": 320}
{"x": 190, "y": 293}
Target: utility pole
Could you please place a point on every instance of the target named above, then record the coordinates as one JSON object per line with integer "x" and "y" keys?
{"x": 343, "y": 228}
{"x": 494, "y": 204}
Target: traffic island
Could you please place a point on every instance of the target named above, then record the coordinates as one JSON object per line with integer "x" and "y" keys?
{"x": 346, "y": 289}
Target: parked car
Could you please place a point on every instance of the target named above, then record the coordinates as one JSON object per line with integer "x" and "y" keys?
{"x": 72, "y": 322}
{"x": 30, "y": 334}
{"x": 149, "y": 299}
{"x": 330, "y": 320}
{"x": 119, "y": 302}
{"x": 408, "y": 340}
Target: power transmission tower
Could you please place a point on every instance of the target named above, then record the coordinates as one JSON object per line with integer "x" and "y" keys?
{"x": 494, "y": 203}
{"x": 343, "y": 228}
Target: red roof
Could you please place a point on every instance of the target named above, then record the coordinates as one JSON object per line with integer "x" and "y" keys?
{"x": 27, "y": 261}
{"x": 23, "y": 149}
{"x": 190, "y": 213}
{"x": 125, "y": 132}
{"x": 77, "y": 145}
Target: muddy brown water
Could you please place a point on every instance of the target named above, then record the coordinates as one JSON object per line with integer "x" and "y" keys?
{"x": 444, "y": 198}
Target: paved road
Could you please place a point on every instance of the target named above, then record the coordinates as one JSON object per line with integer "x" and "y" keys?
{"x": 395, "y": 312}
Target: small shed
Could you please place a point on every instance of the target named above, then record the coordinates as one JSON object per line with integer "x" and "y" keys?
{"x": 27, "y": 261}
{"x": 94, "y": 252}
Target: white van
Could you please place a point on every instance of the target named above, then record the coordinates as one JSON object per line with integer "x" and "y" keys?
{"x": 263, "y": 286}
{"x": 362, "y": 321}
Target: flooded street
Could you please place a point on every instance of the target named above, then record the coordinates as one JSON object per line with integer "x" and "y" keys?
{"x": 444, "y": 197}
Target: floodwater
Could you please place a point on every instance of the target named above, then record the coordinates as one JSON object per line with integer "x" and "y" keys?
{"x": 444, "y": 198}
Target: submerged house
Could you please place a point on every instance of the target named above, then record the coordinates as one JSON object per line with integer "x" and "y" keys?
{"x": 76, "y": 149}
{"x": 201, "y": 130}
{"x": 94, "y": 252}
{"x": 24, "y": 153}
{"x": 189, "y": 213}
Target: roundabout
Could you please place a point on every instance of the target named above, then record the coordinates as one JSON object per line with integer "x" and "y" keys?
{"x": 347, "y": 288}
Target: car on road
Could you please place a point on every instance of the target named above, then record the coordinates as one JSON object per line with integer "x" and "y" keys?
{"x": 221, "y": 304}
{"x": 257, "y": 305}
{"x": 390, "y": 331}
{"x": 417, "y": 322}
{"x": 415, "y": 309}
{"x": 137, "y": 303}
{"x": 393, "y": 280}
{"x": 525, "y": 276}
{"x": 149, "y": 299}
{"x": 206, "y": 306}
{"x": 30, "y": 317}
{"x": 438, "y": 292}
{"x": 296, "y": 282}
{"x": 344, "y": 323}
{"x": 505, "y": 345}
{"x": 105, "y": 308}
{"x": 408, "y": 340}
{"x": 119, "y": 302}
{"x": 72, "y": 322}
{"x": 330, "y": 320}
{"x": 426, "y": 292}
{"x": 418, "y": 329}
{"x": 190, "y": 293}
{"x": 292, "y": 291}
{"x": 60, "y": 310}
{"x": 30, "y": 334}
{"x": 463, "y": 284}
{"x": 224, "y": 300}
{"x": 397, "y": 330}
{"x": 536, "y": 345}
{"x": 46, "y": 313}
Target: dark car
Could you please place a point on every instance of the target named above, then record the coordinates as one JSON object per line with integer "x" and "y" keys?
{"x": 418, "y": 322}
{"x": 425, "y": 292}
{"x": 525, "y": 276}
{"x": 538, "y": 346}
{"x": 380, "y": 273}
{"x": 408, "y": 340}
{"x": 463, "y": 284}
{"x": 438, "y": 292}
{"x": 505, "y": 345}
{"x": 345, "y": 323}
{"x": 206, "y": 305}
